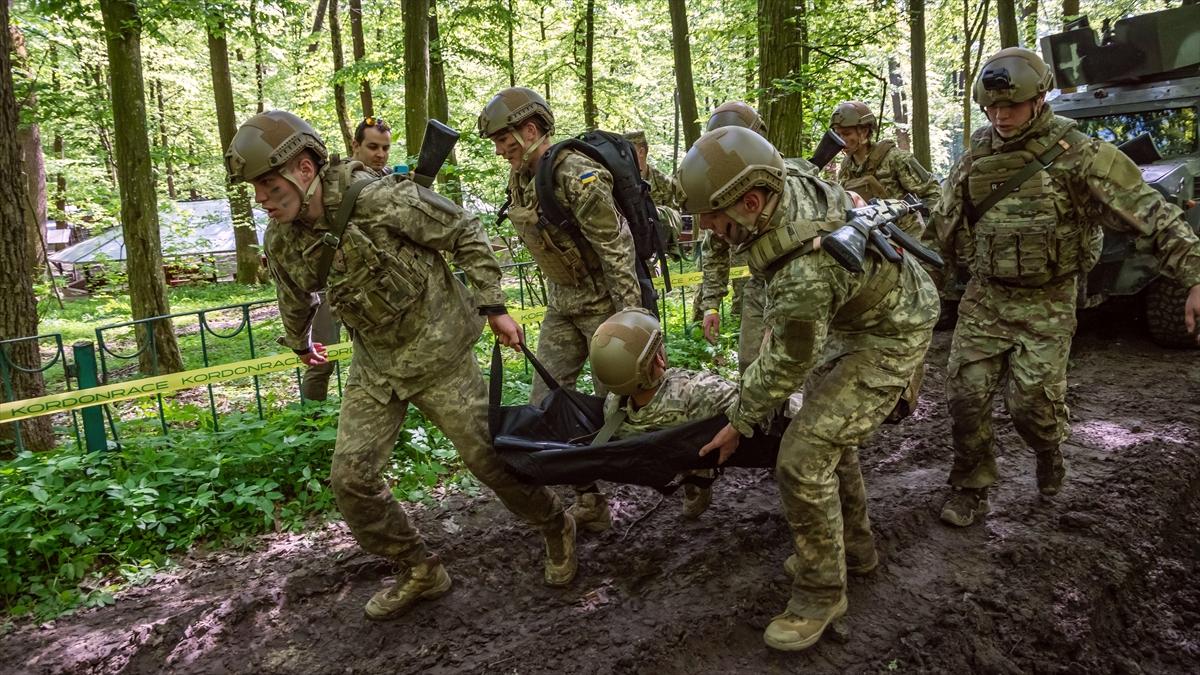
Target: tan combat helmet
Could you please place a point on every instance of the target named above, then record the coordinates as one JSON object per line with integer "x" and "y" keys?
{"x": 1012, "y": 75}
{"x": 510, "y": 107}
{"x": 736, "y": 114}
{"x": 852, "y": 114}
{"x": 623, "y": 351}
{"x": 267, "y": 141}
{"x": 725, "y": 164}
{"x": 637, "y": 138}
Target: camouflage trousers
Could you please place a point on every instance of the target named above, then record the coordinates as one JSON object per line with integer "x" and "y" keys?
{"x": 367, "y": 432}
{"x": 1035, "y": 396}
{"x": 563, "y": 346}
{"x": 750, "y": 336}
{"x": 314, "y": 384}
{"x": 820, "y": 481}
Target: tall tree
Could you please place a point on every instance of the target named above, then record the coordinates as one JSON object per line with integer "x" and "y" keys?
{"x": 1029, "y": 23}
{"x": 18, "y": 305}
{"x": 974, "y": 32}
{"x": 259, "y": 66}
{"x": 164, "y": 137}
{"x": 590, "y": 114}
{"x": 439, "y": 103}
{"x": 339, "y": 62}
{"x": 920, "y": 91}
{"x": 139, "y": 206}
{"x": 245, "y": 236}
{"x": 782, "y": 28}
{"x": 899, "y": 104}
{"x": 359, "y": 49}
{"x": 510, "y": 25}
{"x": 33, "y": 162}
{"x": 681, "y": 46}
{"x": 318, "y": 22}
{"x": 416, "y": 73}
{"x": 1006, "y": 15}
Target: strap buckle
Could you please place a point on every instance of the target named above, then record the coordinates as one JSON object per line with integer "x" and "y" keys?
{"x": 331, "y": 240}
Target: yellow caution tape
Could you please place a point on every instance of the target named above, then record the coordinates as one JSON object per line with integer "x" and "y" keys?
{"x": 162, "y": 384}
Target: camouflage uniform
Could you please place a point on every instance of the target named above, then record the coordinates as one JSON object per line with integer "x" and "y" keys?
{"x": 683, "y": 396}
{"x": 890, "y": 173}
{"x": 881, "y": 322}
{"x": 1017, "y": 315}
{"x": 594, "y": 278}
{"x": 666, "y": 196}
{"x": 413, "y": 326}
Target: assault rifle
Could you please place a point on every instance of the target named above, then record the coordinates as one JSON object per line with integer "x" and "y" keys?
{"x": 875, "y": 224}
{"x": 435, "y": 149}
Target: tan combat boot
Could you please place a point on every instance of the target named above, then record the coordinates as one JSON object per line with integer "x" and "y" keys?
{"x": 853, "y": 565}
{"x": 590, "y": 511}
{"x": 561, "y": 561}
{"x": 964, "y": 506}
{"x": 696, "y": 500}
{"x": 1050, "y": 471}
{"x": 425, "y": 581}
{"x": 790, "y": 633}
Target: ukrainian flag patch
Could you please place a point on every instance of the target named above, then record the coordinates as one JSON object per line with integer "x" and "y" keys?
{"x": 587, "y": 177}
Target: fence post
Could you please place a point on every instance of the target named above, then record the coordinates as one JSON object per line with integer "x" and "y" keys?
{"x": 93, "y": 417}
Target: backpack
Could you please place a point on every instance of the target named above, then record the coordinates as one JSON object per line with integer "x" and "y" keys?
{"x": 631, "y": 195}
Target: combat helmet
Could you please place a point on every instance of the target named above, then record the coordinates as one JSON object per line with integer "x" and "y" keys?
{"x": 623, "y": 350}
{"x": 736, "y": 114}
{"x": 512, "y": 106}
{"x": 1012, "y": 75}
{"x": 725, "y": 164}
{"x": 852, "y": 114}
{"x": 267, "y": 141}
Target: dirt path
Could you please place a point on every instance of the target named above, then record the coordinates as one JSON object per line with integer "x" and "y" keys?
{"x": 1101, "y": 579}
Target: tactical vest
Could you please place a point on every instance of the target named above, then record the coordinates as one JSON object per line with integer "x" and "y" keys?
{"x": 1023, "y": 240}
{"x": 558, "y": 255}
{"x": 376, "y": 276}
{"x": 867, "y": 185}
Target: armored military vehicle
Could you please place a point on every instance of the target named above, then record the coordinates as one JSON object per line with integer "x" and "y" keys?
{"x": 1138, "y": 87}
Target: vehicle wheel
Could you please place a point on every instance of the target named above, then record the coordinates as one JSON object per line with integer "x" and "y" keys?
{"x": 1165, "y": 300}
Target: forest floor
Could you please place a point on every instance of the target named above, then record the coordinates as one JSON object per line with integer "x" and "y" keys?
{"x": 1101, "y": 578}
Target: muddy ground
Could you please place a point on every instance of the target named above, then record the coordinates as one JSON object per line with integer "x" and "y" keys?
{"x": 1101, "y": 579}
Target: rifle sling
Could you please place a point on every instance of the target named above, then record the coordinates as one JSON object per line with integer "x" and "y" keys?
{"x": 611, "y": 424}
{"x": 332, "y": 239}
{"x": 1042, "y": 161}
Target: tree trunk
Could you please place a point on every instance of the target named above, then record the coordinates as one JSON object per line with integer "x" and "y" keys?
{"x": 60, "y": 153}
{"x": 139, "y": 207}
{"x": 339, "y": 62}
{"x": 1070, "y": 11}
{"x": 245, "y": 237}
{"x": 18, "y": 306}
{"x": 512, "y": 55}
{"x": 782, "y": 25}
{"x": 164, "y": 141}
{"x": 1006, "y": 14}
{"x": 686, "y": 88}
{"x": 899, "y": 105}
{"x": 318, "y": 20}
{"x": 920, "y": 92}
{"x": 416, "y": 73}
{"x": 439, "y": 103}
{"x": 542, "y": 26}
{"x": 359, "y": 49}
{"x": 590, "y": 113}
{"x": 1029, "y": 23}
{"x": 33, "y": 163}
{"x": 259, "y": 68}
{"x": 975, "y": 31}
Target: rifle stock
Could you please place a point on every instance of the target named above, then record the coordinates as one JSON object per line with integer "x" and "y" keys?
{"x": 435, "y": 149}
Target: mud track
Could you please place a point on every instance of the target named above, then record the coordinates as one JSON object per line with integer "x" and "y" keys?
{"x": 1101, "y": 579}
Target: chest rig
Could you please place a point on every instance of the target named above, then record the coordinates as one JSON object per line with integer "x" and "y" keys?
{"x": 560, "y": 255}
{"x": 866, "y": 183}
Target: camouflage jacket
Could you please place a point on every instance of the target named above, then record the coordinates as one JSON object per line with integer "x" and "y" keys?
{"x": 663, "y": 189}
{"x": 398, "y": 221}
{"x": 1090, "y": 186}
{"x": 683, "y": 396}
{"x": 811, "y": 297}
{"x": 596, "y": 276}
{"x": 899, "y": 174}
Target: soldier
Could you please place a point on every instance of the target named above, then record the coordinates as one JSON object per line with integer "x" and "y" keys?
{"x": 1027, "y": 243}
{"x": 413, "y": 326}
{"x": 588, "y": 270}
{"x": 372, "y": 144}
{"x": 879, "y": 170}
{"x": 663, "y": 192}
{"x": 629, "y": 357}
{"x": 880, "y": 322}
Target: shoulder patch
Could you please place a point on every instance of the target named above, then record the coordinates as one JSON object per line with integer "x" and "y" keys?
{"x": 587, "y": 177}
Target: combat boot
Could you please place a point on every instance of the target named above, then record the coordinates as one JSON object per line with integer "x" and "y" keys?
{"x": 561, "y": 561}
{"x": 590, "y": 511}
{"x": 696, "y": 500}
{"x": 1050, "y": 471}
{"x": 854, "y": 566}
{"x": 791, "y": 633}
{"x": 424, "y": 581}
{"x": 964, "y": 506}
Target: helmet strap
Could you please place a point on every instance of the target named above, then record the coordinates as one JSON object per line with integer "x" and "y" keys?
{"x": 306, "y": 194}
{"x": 529, "y": 148}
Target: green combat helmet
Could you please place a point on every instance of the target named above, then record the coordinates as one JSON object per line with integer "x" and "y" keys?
{"x": 1012, "y": 75}
{"x": 512, "y": 106}
{"x": 267, "y": 141}
{"x": 623, "y": 351}
{"x": 736, "y": 114}
{"x": 725, "y": 164}
{"x": 852, "y": 114}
